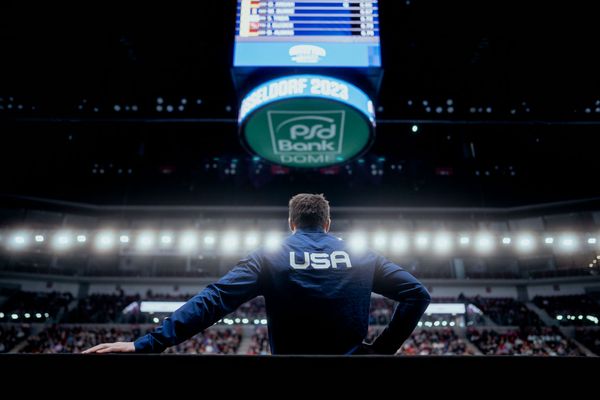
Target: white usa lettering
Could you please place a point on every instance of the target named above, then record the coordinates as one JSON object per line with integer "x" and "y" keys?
{"x": 321, "y": 260}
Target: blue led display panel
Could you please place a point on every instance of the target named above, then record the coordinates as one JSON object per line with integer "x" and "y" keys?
{"x": 307, "y": 33}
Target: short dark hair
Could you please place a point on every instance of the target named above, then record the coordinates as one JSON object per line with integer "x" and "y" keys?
{"x": 309, "y": 210}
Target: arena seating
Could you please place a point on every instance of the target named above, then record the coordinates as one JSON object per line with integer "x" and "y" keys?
{"x": 507, "y": 311}
{"x": 11, "y": 335}
{"x": 570, "y": 310}
{"x": 38, "y": 305}
{"x": 544, "y": 341}
{"x": 259, "y": 342}
{"x": 589, "y": 337}
{"x": 76, "y": 338}
{"x": 428, "y": 342}
{"x": 99, "y": 317}
{"x": 211, "y": 341}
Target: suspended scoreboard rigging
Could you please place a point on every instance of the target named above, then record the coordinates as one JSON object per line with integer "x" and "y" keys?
{"x": 308, "y": 33}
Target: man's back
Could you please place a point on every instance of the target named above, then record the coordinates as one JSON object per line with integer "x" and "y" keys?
{"x": 317, "y": 294}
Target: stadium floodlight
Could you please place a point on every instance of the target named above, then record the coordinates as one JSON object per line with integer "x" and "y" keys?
{"x": 166, "y": 239}
{"x": 38, "y": 315}
{"x": 421, "y": 241}
{"x": 506, "y": 240}
{"x": 569, "y": 242}
{"x": 251, "y": 240}
{"x": 155, "y": 320}
{"x": 46, "y": 315}
{"x": 272, "y": 241}
{"x": 380, "y": 240}
{"x": 27, "y": 315}
{"x": 549, "y": 240}
{"x": 358, "y": 242}
{"x": 592, "y": 240}
{"x": 263, "y": 321}
{"x": 105, "y": 240}
{"x": 442, "y": 243}
{"x": 188, "y": 241}
{"x": 62, "y": 241}
{"x": 19, "y": 241}
{"x": 245, "y": 321}
{"x": 230, "y": 242}
{"x": 452, "y": 323}
{"x": 124, "y": 239}
{"x": 145, "y": 240}
{"x": 209, "y": 240}
{"x": 420, "y": 323}
{"x": 464, "y": 240}
{"x": 81, "y": 238}
{"x": 14, "y": 316}
{"x": 399, "y": 243}
{"x": 559, "y": 317}
{"x": 256, "y": 321}
{"x": 39, "y": 238}
{"x": 525, "y": 242}
{"x": 484, "y": 243}
{"x": 237, "y": 320}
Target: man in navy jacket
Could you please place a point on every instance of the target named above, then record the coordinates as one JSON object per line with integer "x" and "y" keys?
{"x": 317, "y": 292}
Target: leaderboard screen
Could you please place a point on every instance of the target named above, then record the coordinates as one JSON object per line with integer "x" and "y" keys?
{"x": 309, "y": 33}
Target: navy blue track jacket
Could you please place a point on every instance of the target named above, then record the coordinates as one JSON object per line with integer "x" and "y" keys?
{"x": 317, "y": 293}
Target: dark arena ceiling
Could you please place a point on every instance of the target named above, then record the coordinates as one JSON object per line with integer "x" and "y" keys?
{"x": 113, "y": 102}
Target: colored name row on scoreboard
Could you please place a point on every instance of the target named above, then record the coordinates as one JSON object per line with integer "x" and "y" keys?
{"x": 352, "y": 18}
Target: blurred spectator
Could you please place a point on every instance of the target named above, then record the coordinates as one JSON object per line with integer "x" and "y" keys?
{"x": 10, "y": 336}
{"x": 74, "y": 339}
{"x": 590, "y": 338}
{"x": 426, "y": 342}
{"x": 211, "y": 341}
{"x": 538, "y": 341}
{"x": 259, "y": 342}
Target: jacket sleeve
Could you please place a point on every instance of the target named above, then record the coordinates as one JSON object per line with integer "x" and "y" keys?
{"x": 395, "y": 283}
{"x": 238, "y": 286}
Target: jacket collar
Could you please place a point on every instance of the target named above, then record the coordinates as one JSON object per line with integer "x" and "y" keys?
{"x": 310, "y": 230}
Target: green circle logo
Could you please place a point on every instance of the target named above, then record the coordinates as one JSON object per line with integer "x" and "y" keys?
{"x": 307, "y": 121}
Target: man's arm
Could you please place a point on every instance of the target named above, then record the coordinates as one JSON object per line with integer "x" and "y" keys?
{"x": 238, "y": 286}
{"x": 395, "y": 283}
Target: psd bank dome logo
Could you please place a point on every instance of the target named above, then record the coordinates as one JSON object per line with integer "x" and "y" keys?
{"x": 307, "y": 54}
{"x": 298, "y": 135}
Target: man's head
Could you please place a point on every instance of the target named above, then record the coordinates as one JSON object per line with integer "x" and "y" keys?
{"x": 309, "y": 211}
